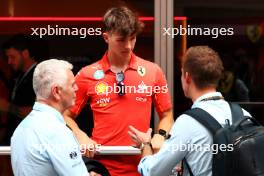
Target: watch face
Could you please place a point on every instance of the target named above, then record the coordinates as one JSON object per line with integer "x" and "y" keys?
{"x": 162, "y": 132}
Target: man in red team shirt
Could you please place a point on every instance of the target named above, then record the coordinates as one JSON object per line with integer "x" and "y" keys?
{"x": 120, "y": 88}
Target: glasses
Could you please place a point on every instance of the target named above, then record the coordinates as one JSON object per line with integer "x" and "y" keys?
{"x": 120, "y": 83}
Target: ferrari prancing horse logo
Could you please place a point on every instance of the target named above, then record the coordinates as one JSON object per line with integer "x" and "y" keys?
{"x": 254, "y": 32}
{"x": 141, "y": 70}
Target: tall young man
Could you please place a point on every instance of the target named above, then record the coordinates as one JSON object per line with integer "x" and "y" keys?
{"x": 121, "y": 88}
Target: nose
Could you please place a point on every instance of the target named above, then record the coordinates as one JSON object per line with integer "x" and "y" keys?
{"x": 128, "y": 45}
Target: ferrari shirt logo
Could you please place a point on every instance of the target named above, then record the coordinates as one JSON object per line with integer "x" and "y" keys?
{"x": 99, "y": 74}
{"x": 102, "y": 102}
{"x": 254, "y": 32}
{"x": 141, "y": 70}
{"x": 101, "y": 88}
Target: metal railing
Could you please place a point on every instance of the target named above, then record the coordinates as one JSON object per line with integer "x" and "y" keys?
{"x": 103, "y": 150}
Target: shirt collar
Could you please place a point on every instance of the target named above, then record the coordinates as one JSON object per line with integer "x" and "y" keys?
{"x": 207, "y": 95}
{"x": 104, "y": 62}
{"x": 46, "y": 108}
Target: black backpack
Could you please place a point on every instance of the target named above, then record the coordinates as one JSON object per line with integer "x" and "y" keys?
{"x": 96, "y": 166}
{"x": 246, "y": 136}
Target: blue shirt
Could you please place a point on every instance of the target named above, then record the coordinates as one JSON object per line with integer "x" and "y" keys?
{"x": 42, "y": 145}
{"x": 189, "y": 139}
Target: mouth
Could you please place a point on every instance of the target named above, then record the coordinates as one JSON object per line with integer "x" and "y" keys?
{"x": 126, "y": 52}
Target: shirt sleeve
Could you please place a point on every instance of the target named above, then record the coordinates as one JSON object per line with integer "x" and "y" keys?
{"x": 65, "y": 156}
{"x": 45, "y": 151}
{"x": 162, "y": 98}
{"x": 82, "y": 96}
{"x": 171, "y": 153}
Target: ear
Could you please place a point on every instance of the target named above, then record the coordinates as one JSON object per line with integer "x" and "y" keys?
{"x": 55, "y": 91}
{"x": 25, "y": 53}
{"x": 187, "y": 77}
{"x": 106, "y": 36}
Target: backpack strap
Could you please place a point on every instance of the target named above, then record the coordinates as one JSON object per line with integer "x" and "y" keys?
{"x": 236, "y": 111}
{"x": 205, "y": 119}
{"x": 210, "y": 123}
{"x": 188, "y": 167}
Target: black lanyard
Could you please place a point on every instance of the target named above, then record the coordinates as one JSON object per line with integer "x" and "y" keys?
{"x": 213, "y": 98}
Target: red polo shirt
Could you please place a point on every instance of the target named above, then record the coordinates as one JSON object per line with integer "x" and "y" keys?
{"x": 144, "y": 82}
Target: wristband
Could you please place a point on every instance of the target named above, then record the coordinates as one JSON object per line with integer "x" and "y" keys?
{"x": 164, "y": 134}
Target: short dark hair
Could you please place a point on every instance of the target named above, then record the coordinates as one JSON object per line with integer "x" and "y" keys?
{"x": 122, "y": 21}
{"x": 19, "y": 42}
{"x": 204, "y": 66}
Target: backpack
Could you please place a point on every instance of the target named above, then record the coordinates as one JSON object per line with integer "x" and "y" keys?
{"x": 246, "y": 135}
{"x": 96, "y": 166}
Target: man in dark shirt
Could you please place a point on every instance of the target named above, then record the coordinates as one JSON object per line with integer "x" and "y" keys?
{"x": 17, "y": 50}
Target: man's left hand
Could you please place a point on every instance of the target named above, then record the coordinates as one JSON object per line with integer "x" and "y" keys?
{"x": 139, "y": 137}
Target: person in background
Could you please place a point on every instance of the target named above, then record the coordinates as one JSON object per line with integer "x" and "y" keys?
{"x": 230, "y": 85}
{"x": 18, "y": 52}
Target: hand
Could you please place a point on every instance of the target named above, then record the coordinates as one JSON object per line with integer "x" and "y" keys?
{"x": 87, "y": 145}
{"x": 157, "y": 142}
{"x": 92, "y": 173}
{"x": 139, "y": 137}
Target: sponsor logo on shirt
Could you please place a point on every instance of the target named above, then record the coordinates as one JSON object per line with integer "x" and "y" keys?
{"x": 142, "y": 87}
{"x": 98, "y": 74}
{"x": 141, "y": 70}
{"x": 73, "y": 155}
{"x": 141, "y": 99}
{"x": 102, "y": 102}
{"x": 101, "y": 88}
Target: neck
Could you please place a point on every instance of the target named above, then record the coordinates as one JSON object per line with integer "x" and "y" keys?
{"x": 118, "y": 62}
{"x": 197, "y": 93}
{"x": 51, "y": 104}
{"x": 27, "y": 64}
